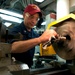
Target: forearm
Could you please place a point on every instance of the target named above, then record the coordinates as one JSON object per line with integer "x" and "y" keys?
{"x": 23, "y": 46}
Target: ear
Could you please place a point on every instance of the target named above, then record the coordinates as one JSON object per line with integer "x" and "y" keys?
{"x": 27, "y": 14}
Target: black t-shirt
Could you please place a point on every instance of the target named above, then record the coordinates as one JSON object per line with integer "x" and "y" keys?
{"x": 25, "y": 57}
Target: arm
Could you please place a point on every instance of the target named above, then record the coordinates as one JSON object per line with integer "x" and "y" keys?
{"x": 23, "y": 46}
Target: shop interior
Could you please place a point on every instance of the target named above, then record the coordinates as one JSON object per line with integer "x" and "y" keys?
{"x": 48, "y": 61}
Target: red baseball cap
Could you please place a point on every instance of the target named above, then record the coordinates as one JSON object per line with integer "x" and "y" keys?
{"x": 32, "y": 9}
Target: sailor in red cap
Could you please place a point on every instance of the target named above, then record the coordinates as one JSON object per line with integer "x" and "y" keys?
{"x": 23, "y": 50}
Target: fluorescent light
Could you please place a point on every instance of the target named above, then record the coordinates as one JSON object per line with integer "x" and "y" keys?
{"x": 11, "y": 13}
{"x": 39, "y": 0}
{"x": 7, "y": 24}
{"x": 10, "y": 18}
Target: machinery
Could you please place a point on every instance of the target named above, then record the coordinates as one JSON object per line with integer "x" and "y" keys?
{"x": 46, "y": 63}
{"x": 64, "y": 44}
{"x": 8, "y": 65}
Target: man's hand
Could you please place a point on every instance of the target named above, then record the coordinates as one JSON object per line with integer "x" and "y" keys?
{"x": 46, "y": 36}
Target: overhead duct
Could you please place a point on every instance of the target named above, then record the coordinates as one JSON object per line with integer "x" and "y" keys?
{"x": 13, "y": 2}
{"x": 46, "y": 2}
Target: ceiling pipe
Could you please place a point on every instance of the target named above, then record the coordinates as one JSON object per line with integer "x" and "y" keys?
{"x": 45, "y": 3}
{"x": 13, "y": 2}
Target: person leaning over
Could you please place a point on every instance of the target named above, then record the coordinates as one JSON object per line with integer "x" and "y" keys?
{"x": 24, "y": 49}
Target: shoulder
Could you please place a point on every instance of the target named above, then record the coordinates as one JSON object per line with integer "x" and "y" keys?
{"x": 16, "y": 29}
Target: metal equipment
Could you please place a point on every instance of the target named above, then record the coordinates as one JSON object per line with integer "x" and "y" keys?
{"x": 53, "y": 40}
{"x": 64, "y": 48}
{"x": 7, "y": 65}
{"x": 63, "y": 45}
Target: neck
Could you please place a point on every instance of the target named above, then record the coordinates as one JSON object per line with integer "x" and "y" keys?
{"x": 28, "y": 29}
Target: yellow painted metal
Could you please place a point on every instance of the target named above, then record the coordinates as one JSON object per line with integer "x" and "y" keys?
{"x": 49, "y": 50}
{"x": 61, "y": 20}
{"x": 46, "y": 52}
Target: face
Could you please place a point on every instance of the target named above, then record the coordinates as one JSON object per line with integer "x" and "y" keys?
{"x": 30, "y": 20}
